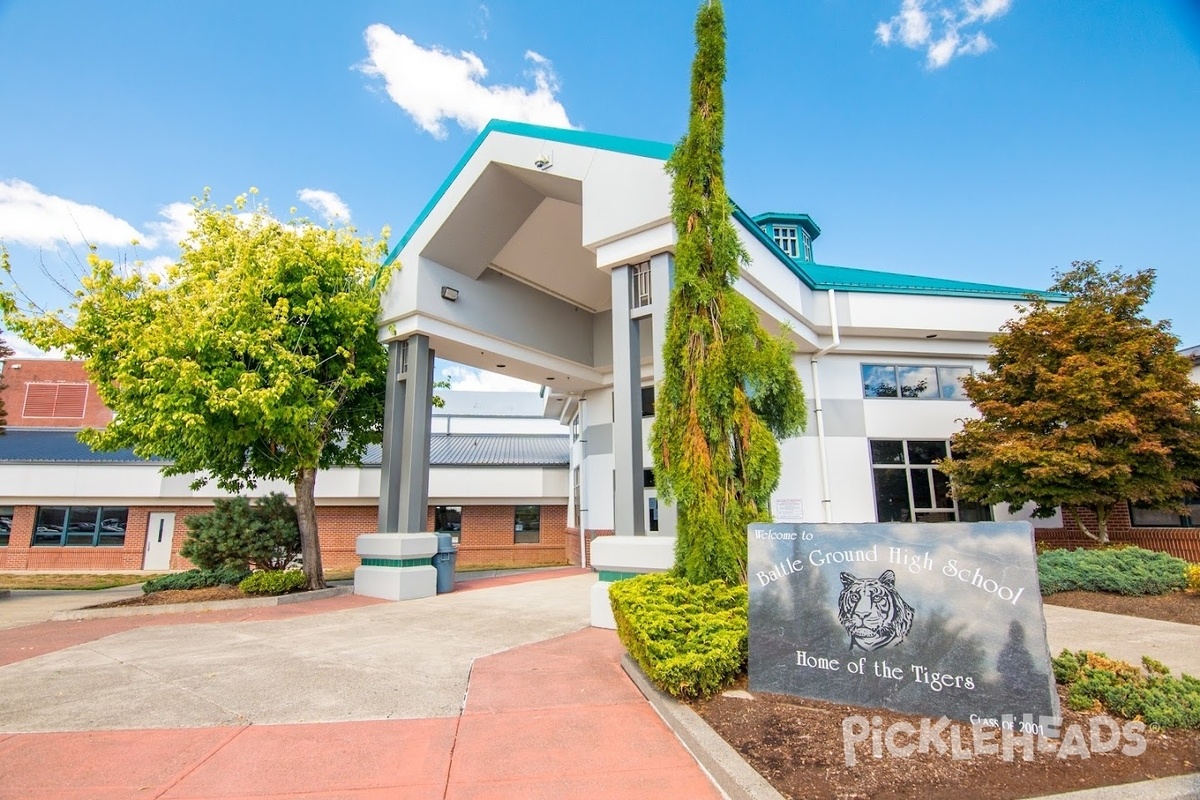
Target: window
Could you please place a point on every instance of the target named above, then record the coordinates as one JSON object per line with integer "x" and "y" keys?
{"x": 785, "y": 237}
{"x": 80, "y": 526}
{"x": 908, "y": 488}
{"x": 448, "y": 519}
{"x": 647, "y": 401}
{"x": 6, "y": 521}
{"x": 653, "y": 515}
{"x": 648, "y": 479}
{"x": 62, "y": 400}
{"x": 806, "y": 241}
{"x": 914, "y": 381}
{"x": 575, "y": 428}
{"x": 640, "y": 275}
{"x": 1151, "y": 517}
{"x": 527, "y": 525}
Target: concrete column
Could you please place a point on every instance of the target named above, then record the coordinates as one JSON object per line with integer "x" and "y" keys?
{"x": 662, "y": 267}
{"x": 408, "y": 417}
{"x": 628, "y": 515}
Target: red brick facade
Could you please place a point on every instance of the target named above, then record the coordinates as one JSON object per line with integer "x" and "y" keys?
{"x": 573, "y": 543}
{"x": 1180, "y": 542}
{"x": 486, "y": 539}
{"x": 19, "y": 374}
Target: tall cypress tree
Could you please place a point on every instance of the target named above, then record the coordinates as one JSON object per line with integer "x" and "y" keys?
{"x": 729, "y": 388}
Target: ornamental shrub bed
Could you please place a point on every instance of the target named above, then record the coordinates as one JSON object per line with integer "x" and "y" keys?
{"x": 1124, "y": 570}
{"x": 689, "y": 639}
{"x": 197, "y": 579}
{"x": 1097, "y": 683}
{"x": 1193, "y": 578}
{"x": 273, "y": 582}
{"x": 236, "y": 533}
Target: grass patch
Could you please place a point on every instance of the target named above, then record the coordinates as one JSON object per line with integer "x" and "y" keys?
{"x": 72, "y": 580}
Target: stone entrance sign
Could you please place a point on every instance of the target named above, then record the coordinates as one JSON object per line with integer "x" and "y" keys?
{"x": 935, "y": 619}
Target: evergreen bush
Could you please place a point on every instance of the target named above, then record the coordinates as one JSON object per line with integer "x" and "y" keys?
{"x": 262, "y": 536}
{"x": 1124, "y": 570}
{"x": 1095, "y": 682}
{"x": 273, "y": 582}
{"x": 197, "y": 579}
{"x": 690, "y": 639}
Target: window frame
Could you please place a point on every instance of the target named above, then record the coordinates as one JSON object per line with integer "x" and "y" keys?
{"x": 66, "y": 534}
{"x": 7, "y": 515}
{"x": 942, "y": 378}
{"x": 907, "y": 466}
{"x": 1183, "y": 520}
{"x": 521, "y": 532}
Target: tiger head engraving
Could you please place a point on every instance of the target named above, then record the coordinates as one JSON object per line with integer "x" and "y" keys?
{"x": 873, "y": 612}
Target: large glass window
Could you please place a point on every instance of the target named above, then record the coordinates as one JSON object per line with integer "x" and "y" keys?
{"x": 80, "y": 526}
{"x": 909, "y": 488}
{"x": 785, "y": 237}
{"x": 1160, "y": 518}
{"x": 527, "y": 525}
{"x": 6, "y": 521}
{"x": 914, "y": 381}
{"x": 448, "y": 519}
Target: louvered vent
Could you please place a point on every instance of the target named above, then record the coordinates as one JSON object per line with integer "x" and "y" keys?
{"x": 58, "y": 400}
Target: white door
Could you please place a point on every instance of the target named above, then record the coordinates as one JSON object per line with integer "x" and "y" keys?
{"x": 158, "y": 541}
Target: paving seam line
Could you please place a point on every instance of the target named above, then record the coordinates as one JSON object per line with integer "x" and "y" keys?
{"x": 730, "y": 774}
{"x": 188, "y": 770}
{"x": 196, "y": 608}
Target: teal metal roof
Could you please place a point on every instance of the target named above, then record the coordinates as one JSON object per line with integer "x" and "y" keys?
{"x": 815, "y": 276}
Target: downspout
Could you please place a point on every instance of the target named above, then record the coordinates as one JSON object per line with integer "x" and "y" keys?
{"x": 583, "y": 560}
{"x": 826, "y": 500}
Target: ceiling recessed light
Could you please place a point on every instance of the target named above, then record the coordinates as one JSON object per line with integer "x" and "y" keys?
{"x": 549, "y": 378}
{"x": 501, "y": 366}
{"x": 931, "y": 336}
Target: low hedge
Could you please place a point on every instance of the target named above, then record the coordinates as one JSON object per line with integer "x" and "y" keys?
{"x": 1125, "y": 570}
{"x": 273, "y": 582}
{"x": 689, "y": 639}
{"x": 1097, "y": 683}
{"x": 196, "y": 579}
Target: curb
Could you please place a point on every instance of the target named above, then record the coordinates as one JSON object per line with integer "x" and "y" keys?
{"x": 4, "y": 592}
{"x": 1179, "y": 787}
{"x": 212, "y": 605}
{"x": 730, "y": 773}
{"x": 737, "y": 780}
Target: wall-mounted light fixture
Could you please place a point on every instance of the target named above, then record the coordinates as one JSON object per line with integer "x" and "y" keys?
{"x": 544, "y": 161}
{"x": 449, "y": 293}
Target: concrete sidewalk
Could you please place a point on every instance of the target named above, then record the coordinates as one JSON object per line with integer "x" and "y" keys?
{"x": 497, "y": 690}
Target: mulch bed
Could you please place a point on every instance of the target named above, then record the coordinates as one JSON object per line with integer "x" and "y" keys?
{"x": 172, "y": 596}
{"x": 797, "y": 744}
{"x": 1174, "y": 607}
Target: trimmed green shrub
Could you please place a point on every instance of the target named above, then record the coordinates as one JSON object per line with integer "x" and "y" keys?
{"x": 1097, "y": 683}
{"x": 1125, "y": 570}
{"x": 197, "y": 579}
{"x": 689, "y": 639}
{"x": 235, "y": 533}
{"x": 273, "y": 582}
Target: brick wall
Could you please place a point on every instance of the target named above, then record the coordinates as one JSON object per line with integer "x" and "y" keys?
{"x": 19, "y": 373}
{"x": 1180, "y": 542}
{"x": 572, "y": 543}
{"x": 487, "y": 539}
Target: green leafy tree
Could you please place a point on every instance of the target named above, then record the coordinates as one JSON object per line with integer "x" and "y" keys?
{"x": 255, "y": 358}
{"x": 5, "y": 352}
{"x": 1085, "y": 404}
{"x": 729, "y": 388}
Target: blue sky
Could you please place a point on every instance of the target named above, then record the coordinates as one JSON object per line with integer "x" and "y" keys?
{"x": 990, "y": 140}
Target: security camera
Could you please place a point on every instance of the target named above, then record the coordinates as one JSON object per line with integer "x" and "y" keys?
{"x": 544, "y": 162}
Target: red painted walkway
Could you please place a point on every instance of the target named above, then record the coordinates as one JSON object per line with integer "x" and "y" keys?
{"x": 556, "y": 719}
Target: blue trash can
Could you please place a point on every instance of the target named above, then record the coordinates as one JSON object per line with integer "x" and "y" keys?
{"x": 444, "y": 561}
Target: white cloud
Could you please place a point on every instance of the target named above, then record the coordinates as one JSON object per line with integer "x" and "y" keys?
{"x": 939, "y": 28}
{"x": 177, "y": 223}
{"x": 482, "y": 16}
{"x": 33, "y": 218}
{"x": 469, "y": 379}
{"x": 23, "y": 349}
{"x": 325, "y": 203}
{"x": 433, "y": 85}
